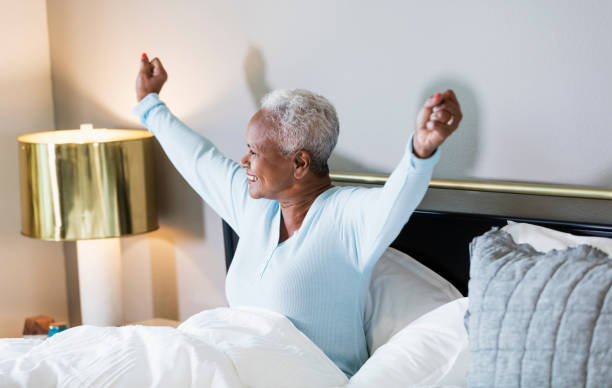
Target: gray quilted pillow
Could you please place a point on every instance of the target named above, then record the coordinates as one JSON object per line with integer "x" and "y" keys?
{"x": 539, "y": 319}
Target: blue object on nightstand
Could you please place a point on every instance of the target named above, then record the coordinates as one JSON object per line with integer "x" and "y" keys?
{"x": 56, "y": 327}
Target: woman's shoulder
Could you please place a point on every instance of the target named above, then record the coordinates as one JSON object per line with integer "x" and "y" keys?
{"x": 346, "y": 192}
{"x": 343, "y": 197}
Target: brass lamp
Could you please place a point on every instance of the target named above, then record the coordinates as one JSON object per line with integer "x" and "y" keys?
{"x": 90, "y": 186}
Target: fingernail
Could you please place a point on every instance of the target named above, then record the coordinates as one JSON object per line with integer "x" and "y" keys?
{"x": 436, "y": 96}
{"x": 430, "y": 125}
{"x": 144, "y": 55}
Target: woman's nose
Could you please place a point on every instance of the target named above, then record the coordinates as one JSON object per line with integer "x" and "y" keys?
{"x": 244, "y": 161}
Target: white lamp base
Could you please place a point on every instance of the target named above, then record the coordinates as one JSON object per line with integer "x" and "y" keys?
{"x": 99, "y": 263}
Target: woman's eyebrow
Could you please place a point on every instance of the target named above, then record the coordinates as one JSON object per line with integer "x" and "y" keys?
{"x": 252, "y": 146}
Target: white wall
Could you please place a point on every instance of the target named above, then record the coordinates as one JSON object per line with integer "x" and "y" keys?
{"x": 32, "y": 278}
{"x": 533, "y": 79}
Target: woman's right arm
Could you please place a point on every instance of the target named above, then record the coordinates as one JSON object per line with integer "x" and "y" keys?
{"x": 220, "y": 181}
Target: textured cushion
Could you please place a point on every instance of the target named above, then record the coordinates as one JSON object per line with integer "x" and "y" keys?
{"x": 538, "y": 319}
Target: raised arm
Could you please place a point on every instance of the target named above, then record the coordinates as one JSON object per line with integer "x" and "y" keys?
{"x": 379, "y": 214}
{"x": 218, "y": 180}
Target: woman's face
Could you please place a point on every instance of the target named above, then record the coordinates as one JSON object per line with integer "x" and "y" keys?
{"x": 269, "y": 173}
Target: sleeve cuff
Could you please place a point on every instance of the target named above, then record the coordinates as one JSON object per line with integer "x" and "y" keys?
{"x": 145, "y": 105}
{"x": 420, "y": 164}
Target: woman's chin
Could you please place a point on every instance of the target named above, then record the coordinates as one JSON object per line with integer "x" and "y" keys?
{"x": 254, "y": 193}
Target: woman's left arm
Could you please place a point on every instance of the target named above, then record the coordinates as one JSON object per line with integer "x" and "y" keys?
{"x": 379, "y": 214}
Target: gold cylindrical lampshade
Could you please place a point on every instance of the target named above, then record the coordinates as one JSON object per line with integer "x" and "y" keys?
{"x": 87, "y": 184}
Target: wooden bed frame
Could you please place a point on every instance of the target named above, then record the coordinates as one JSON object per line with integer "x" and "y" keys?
{"x": 440, "y": 239}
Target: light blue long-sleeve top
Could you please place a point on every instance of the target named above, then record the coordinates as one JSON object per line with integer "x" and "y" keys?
{"x": 319, "y": 277}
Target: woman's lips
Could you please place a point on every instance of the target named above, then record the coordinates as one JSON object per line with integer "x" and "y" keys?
{"x": 251, "y": 178}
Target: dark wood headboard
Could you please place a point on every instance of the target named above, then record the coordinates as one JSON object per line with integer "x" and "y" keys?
{"x": 440, "y": 240}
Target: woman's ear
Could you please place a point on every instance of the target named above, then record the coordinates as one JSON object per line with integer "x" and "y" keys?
{"x": 301, "y": 164}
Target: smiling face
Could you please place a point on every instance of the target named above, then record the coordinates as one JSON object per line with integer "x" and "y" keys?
{"x": 269, "y": 173}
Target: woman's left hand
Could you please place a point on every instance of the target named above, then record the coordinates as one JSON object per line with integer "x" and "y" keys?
{"x": 439, "y": 117}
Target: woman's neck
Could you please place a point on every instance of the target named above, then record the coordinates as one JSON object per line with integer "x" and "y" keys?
{"x": 295, "y": 207}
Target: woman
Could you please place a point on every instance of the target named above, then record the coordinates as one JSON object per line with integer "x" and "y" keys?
{"x": 306, "y": 248}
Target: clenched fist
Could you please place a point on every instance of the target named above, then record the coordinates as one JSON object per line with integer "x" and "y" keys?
{"x": 151, "y": 77}
{"x": 439, "y": 117}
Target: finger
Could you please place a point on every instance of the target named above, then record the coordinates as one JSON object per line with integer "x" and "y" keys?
{"x": 425, "y": 111}
{"x": 442, "y": 116}
{"x": 448, "y": 106}
{"x": 445, "y": 117}
{"x": 433, "y": 100}
{"x": 450, "y": 95}
{"x": 145, "y": 65}
{"x": 158, "y": 68}
{"x": 440, "y": 129}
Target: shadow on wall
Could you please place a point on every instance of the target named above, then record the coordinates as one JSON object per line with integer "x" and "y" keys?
{"x": 181, "y": 216}
{"x": 605, "y": 181}
{"x": 164, "y": 292}
{"x": 460, "y": 150}
{"x": 255, "y": 75}
{"x": 179, "y": 206}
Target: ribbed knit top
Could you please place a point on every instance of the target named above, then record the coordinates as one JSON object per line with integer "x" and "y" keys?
{"x": 319, "y": 277}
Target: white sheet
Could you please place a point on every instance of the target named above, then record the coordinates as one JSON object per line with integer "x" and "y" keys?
{"x": 221, "y": 348}
{"x": 225, "y": 348}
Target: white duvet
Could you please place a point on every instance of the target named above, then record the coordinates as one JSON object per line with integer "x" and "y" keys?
{"x": 237, "y": 347}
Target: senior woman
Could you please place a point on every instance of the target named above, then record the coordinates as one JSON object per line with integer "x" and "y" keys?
{"x": 306, "y": 248}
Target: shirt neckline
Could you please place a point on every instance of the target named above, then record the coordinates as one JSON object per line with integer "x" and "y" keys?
{"x": 277, "y": 218}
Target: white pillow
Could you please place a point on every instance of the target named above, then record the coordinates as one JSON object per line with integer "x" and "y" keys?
{"x": 457, "y": 376}
{"x": 422, "y": 353}
{"x": 401, "y": 290}
{"x": 544, "y": 239}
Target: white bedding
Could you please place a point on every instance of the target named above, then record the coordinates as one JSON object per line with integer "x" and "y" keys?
{"x": 228, "y": 348}
{"x": 220, "y": 348}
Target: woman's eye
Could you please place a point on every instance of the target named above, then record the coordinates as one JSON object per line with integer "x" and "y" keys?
{"x": 252, "y": 153}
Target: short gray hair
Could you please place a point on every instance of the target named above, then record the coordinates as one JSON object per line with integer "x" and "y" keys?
{"x": 304, "y": 120}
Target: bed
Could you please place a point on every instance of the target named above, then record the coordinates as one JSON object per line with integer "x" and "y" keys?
{"x": 437, "y": 340}
{"x": 440, "y": 238}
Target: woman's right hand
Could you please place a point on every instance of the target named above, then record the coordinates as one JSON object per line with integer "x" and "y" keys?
{"x": 151, "y": 77}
